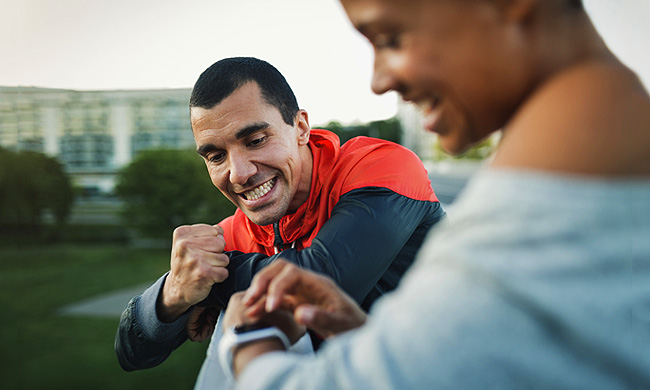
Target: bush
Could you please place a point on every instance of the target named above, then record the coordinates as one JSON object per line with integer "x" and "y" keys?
{"x": 32, "y": 183}
{"x": 389, "y": 129}
{"x": 164, "y": 188}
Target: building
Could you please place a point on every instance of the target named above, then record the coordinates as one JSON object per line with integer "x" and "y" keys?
{"x": 94, "y": 133}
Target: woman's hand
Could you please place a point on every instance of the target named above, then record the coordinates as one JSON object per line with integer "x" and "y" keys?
{"x": 315, "y": 301}
{"x": 282, "y": 319}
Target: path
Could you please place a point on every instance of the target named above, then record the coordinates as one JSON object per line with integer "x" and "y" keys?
{"x": 105, "y": 305}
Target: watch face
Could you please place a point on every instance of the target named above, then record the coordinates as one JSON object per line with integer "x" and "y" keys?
{"x": 243, "y": 328}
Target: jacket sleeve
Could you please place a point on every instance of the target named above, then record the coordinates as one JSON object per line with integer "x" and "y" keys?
{"x": 368, "y": 229}
{"x": 142, "y": 340}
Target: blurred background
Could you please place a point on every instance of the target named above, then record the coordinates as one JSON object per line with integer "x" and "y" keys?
{"x": 97, "y": 164}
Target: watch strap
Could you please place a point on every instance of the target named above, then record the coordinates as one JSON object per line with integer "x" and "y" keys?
{"x": 231, "y": 340}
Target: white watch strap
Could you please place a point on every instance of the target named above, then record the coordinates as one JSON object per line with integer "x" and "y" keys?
{"x": 231, "y": 340}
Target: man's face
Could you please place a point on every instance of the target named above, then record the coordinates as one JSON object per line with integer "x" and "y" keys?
{"x": 259, "y": 162}
{"x": 455, "y": 59}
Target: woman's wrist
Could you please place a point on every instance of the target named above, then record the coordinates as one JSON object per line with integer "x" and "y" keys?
{"x": 241, "y": 344}
{"x": 244, "y": 354}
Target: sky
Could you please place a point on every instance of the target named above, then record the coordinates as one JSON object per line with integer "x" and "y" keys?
{"x": 151, "y": 44}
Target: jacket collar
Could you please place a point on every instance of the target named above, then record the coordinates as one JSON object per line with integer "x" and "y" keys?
{"x": 325, "y": 147}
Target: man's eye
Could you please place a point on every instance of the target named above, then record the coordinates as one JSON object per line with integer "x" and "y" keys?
{"x": 257, "y": 141}
{"x": 216, "y": 157}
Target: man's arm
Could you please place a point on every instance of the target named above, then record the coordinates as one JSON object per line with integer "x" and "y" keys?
{"x": 154, "y": 324}
{"x": 142, "y": 340}
{"x": 368, "y": 228}
{"x": 355, "y": 247}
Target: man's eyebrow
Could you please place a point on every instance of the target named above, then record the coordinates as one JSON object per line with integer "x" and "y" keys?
{"x": 250, "y": 129}
{"x": 206, "y": 149}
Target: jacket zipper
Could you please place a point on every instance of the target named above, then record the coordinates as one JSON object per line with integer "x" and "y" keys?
{"x": 278, "y": 243}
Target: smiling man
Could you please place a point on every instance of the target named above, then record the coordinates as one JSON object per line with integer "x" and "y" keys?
{"x": 357, "y": 213}
{"x": 257, "y": 160}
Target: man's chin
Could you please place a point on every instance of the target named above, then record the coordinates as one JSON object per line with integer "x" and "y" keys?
{"x": 265, "y": 213}
{"x": 262, "y": 218}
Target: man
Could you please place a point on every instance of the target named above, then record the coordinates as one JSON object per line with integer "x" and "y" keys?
{"x": 357, "y": 213}
{"x": 541, "y": 278}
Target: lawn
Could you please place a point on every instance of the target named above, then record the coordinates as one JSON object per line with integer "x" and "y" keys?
{"x": 43, "y": 350}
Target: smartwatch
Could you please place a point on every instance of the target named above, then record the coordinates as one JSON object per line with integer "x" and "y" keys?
{"x": 244, "y": 334}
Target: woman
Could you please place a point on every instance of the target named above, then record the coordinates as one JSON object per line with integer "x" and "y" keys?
{"x": 540, "y": 278}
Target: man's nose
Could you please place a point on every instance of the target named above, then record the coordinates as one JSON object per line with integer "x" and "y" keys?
{"x": 241, "y": 168}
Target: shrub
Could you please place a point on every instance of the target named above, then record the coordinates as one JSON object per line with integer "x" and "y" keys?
{"x": 30, "y": 184}
{"x": 163, "y": 189}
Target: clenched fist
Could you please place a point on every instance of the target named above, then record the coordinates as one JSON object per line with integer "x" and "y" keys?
{"x": 197, "y": 262}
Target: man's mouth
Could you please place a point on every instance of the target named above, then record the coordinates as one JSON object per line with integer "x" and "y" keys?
{"x": 259, "y": 191}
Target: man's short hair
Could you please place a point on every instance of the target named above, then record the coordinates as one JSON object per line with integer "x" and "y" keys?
{"x": 224, "y": 77}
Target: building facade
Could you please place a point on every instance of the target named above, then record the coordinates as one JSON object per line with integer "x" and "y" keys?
{"x": 94, "y": 133}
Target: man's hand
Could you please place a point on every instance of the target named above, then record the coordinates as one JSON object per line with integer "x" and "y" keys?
{"x": 201, "y": 323}
{"x": 197, "y": 262}
{"x": 316, "y": 301}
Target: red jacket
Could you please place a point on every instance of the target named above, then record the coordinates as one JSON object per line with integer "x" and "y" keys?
{"x": 370, "y": 208}
{"x": 360, "y": 162}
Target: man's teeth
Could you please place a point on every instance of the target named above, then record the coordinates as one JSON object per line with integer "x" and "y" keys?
{"x": 259, "y": 191}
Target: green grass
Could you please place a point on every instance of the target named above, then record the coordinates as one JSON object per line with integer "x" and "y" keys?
{"x": 43, "y": 350}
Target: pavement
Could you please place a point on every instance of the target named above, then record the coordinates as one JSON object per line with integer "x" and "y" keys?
{"x": 109, "y": 305}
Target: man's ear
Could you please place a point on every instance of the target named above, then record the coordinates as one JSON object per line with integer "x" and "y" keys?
{"x": 302, "y": 124}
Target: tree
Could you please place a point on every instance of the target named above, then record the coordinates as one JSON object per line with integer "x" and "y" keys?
{"x": 32, "y": 183}
{"x": 163, "y": 189}
{"x": 389, "y": 129}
